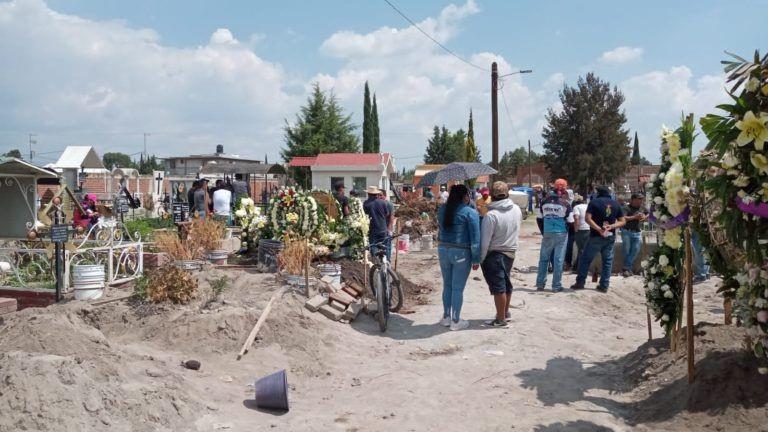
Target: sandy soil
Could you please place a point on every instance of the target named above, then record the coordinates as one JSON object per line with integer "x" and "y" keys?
{"x": 569, "y": 362}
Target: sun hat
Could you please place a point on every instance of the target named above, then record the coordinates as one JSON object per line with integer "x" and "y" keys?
{"x": 372, "y": 190}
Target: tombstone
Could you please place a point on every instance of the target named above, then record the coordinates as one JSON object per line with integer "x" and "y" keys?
{"x": 328, "y": 203}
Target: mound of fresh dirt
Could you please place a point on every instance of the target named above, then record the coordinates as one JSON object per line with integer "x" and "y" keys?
{"x": 61, "y": 373}
{"x": 728, "y": 391}
{"x": 413, "y": 293}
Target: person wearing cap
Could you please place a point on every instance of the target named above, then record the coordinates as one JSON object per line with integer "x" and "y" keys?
{"x": 631, "y": 236}
{"x": 338, "y": 193}
{"x": 482, "y": 203}
{"x": 556, "y": 215}
{"x": 381, "y": 219}
{"x": 499, "y": 234}
{"x": 580, "y": 227}
{"x": 199, "y": 199}
{"x": 604, "y": 215}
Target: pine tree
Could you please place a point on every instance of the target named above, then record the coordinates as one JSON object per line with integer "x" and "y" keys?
{"x": 436, "y": 150}
{"x": 320, "y": 127}
{"x": 586, "y": 142}
{"x": 635, "y": 160}
{"x": 375, "y": 126}
{"x": 367, "y": 126}
{"x": 471, "y": 152}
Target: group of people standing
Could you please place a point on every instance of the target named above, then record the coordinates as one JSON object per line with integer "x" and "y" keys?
{"x": 218, "y": 201}
{"x": 484, "y": 233}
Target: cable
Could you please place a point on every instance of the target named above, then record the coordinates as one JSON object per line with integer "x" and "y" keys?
{"x": 433, "y": 39}
{"x": 506, "y": 108}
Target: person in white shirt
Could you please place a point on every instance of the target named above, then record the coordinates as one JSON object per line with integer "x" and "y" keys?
{"x": 580, "y": 227}
{"x": 222, "y": 199}
{"x": 443, "y": 194}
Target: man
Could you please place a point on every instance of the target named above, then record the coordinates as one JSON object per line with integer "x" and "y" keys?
{"x": 603, "y": 215}
{"x": 222, "y": 198}
{"x": 338, "y": 193}
{"x": 443, "y": 195}
{"x": 429, "y": 195}
{"x": 191, "y": 194}
{"x": 580, "y": 228}
{"x": 391, "y": 221}
{"x": 483, "y": 202}
{"x": 631, "y": 234}
{"x": 381, "y": 219}
{"x": 500, "y": 230}
{"x": 556, "y": 215}
{"x": 198, "y": 199}
{"x": 241, "y": 188}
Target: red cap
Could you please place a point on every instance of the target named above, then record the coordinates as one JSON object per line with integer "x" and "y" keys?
{"x": 561, "y": 184}
{"x": 485, "y": 191}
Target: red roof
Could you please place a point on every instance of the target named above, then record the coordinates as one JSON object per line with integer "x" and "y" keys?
{"x": 341, "y": 159}
{"x": 302, "y": 161}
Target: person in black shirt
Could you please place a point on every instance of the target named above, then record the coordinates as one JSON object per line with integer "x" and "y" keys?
{"x": 631, "y": 236}
{"x": 338, "y": 189}
{"x": 604, "y": 215}
{"x": 381, "y": 219}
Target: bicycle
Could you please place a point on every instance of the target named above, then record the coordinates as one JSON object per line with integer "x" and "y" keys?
{"x": 385, "y": 285}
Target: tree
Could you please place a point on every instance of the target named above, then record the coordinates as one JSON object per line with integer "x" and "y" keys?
{"x": 15, "y": 153}
{"x": 375, "y": 126}
{"x": 585, "y": 142}
{"x": 146, "y": 166}
{"x": 117, "y": 160}
{"x": 457, "y": 143}
{"x": 436, "y": 152}
{"x": 635, "y": 159}
{"x": 471, "y": 153}
{"x": 320, "y": 127}
{"x": 367, "y": 122}
{"x": 512, "y": 160}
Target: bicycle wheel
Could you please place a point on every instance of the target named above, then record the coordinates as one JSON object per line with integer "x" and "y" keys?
{"x": 395, "y": 292}
{"x": 378, "y": 285}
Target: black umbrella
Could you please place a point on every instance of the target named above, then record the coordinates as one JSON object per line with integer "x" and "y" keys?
{"x": 456, "y": 171}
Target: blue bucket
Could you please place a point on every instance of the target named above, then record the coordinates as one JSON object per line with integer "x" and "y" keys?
{"x": 272, "y": 391}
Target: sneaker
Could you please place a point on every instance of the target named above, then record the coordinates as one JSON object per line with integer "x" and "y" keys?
{"x": 508, "y": 316}
{"x": 557, "y": 290}
{"x": 602, "y": 289}
{"x": 445, "y": 322}
{"x": 495, "y": 323}
{"x": 627, "y": 273}
{"x": 539, "y": 288}
{"x": 577, "y": 286}
{"x": 460, "y": 325}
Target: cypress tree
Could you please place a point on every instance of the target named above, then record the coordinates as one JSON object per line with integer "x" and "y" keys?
{"x": 375, "y": 126}
{"x": 367, "y": 126}
{"x": 471, "y": 152}
{"x": 636, "y": 160}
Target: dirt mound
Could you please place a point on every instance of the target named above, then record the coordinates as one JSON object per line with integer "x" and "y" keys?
{"x": 414, "y": 294}
{"x": 411, "y": 217}
{"x": 61, "y": 373}
{"x": 728, "y": 390}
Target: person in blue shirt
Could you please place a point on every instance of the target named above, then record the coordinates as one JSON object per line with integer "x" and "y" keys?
{"x": 604, "y": 215}
{"x": 380, "y": 215}
{"x": 556, "y": 215}
{"x": 459, "y": 251}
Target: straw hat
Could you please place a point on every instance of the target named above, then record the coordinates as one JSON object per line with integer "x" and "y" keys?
{"x": 372, "y": 190}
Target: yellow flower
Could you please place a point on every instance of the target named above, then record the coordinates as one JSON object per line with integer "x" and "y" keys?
{"x": 765, "y": 192}
{"x": 765, "y": 90}
{"x": 741, "y": 181}
{"x": 753, "y": 128}
{"x": 759, "y": 161}
{"x": 672, "y": 238}
{"x": 729, "y": 160}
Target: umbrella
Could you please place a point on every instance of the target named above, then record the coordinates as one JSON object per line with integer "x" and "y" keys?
{"x": 456, "y": 171}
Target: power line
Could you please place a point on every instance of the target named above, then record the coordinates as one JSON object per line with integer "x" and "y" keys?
{"x": 509, "y": 116}
{"x": 446, "y": 49}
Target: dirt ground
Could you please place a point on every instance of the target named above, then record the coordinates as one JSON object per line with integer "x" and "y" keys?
{"x": 573, "y": 361}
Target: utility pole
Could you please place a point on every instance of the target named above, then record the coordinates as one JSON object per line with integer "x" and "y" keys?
{"x": 530, "y": 170}
{"x": 32, "y": 140}
{"x": 494, "y": 117}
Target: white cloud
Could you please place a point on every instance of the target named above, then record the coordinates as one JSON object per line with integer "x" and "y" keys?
{"x": 622, "y": 54}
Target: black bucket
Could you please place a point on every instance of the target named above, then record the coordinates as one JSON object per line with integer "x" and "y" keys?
{"x": 272, "y": 391}
{"x": 268, "y": 252}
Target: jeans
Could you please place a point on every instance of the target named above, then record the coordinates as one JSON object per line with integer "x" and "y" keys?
{"x": 582, "y": 236}
{"x": 455, "y": 265}
{"x": 631, "y": 241}
{"x": 380, "y": 240}
{"x": 540, "y": 224}
{"x": 700, "y": 267}
{"x": 595, "y": 245}
{"x": 569, "y": 246}
{"x": 552, "y": 243}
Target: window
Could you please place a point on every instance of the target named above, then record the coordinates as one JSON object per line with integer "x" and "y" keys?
{"x": 335, "y": 181}
{"x": 359, "y": 184}
{"x": 173, "y": 163}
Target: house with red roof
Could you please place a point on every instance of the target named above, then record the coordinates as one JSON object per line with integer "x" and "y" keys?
{"x": 355, "y": 170}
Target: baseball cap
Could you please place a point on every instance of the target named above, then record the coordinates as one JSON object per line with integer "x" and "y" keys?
{"x": 484, "y": 191}
{"x": 500, "y": 189}
{"x": 561, "y": 184}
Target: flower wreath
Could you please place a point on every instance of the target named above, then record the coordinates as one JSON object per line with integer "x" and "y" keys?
{"x": 251, "y": 221}
{"x": 292, "y": 213}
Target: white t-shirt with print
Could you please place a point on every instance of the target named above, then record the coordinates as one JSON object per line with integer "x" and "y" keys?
{"x": 580, "y": 214}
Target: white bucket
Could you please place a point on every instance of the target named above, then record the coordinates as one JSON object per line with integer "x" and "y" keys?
{"x": 427, "y": 242}
{"x": 332, "y": 270}
{"x": 88, "y": 281}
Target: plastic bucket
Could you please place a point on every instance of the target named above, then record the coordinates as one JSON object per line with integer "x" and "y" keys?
{"x": 402, "y": 242}
{"x": 88, "y": 281}
{"x": 332, "y": 270}
{"x": 427, "y": 242}
{"x": 268, "y": 252}
{"x": 218, "y": 257}
{"x": 188, "y": 265}
{"x": 272, "y": 391}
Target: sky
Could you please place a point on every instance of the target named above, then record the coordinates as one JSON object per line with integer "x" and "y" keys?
{"x": 193, "y": 74}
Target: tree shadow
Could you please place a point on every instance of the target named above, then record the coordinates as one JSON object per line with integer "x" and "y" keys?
{"x": 572, "y": 426}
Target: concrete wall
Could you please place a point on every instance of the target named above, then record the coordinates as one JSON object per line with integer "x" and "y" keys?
{"x": 322, "y": 179}
{"x": 16, "y": 203}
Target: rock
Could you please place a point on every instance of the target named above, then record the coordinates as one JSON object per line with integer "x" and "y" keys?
{"x": 155, "y": 373}
{"x": 315, "y": 302}
{"x": 93, "y": 404}
{"x": 191, "y": 364}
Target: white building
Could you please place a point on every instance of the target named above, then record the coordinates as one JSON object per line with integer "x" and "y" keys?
{"x": 355, "y": 170}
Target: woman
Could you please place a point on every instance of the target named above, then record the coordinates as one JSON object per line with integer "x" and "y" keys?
{"x": 459, "y": 250}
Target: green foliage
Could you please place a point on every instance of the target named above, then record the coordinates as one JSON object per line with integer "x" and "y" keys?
{"x": 117, "y": 159}
{"x": 146, "y": 226}
{"x": 586, "y": 142}
{"x": 140, "y": 287}
{"x": 471, "y": 152}
{"x": 15, "y": 153}
{"x": 445, "y": 147}
{"x": 511, "y": 160}
{"x": 320, "y": 127}
{"x": 218, "y": 285}
{"x": 367, "y": 121}
{"x": 146, "y": 166}
{"x": 375, "y": 126}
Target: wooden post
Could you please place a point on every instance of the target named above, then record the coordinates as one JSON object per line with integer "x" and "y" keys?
{"x": 643, "y": 249}
{"x": 728, "y": 308}
{"x": 689, "y": 303}
{"x": 306, "y": 267}
{"x": 365, "y": 268}
{"x": 396, "y": 248}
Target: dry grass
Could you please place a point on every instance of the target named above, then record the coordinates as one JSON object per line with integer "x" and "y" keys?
{"x": 294, "y": 257}
{"x": 176, "y": 248}
{"x": 170, "y": 283}
{"x": 207, "y": 233}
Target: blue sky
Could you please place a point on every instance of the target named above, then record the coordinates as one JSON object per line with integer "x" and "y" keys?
{"x": 198, "y": 73}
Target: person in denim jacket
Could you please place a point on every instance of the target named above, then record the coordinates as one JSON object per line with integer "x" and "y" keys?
{"x": 459, "y": 251}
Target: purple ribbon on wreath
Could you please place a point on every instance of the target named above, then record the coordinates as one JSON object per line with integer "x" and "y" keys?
{"x": 756, "y": 209}
{"x": 671, "y": 223}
